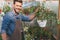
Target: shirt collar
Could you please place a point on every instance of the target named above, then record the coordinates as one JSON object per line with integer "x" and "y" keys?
{"x": 14, "y": 13}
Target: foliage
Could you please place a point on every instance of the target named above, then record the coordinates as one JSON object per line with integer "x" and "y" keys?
{"x": 58, "y": 21}
{"x": 31, "y": 8}
{"x": 43, "y": 14}
{"x": 47, "y": 14}
{"x": 6, "y": 8}
{"x": 38, "y": 32}
{"x": 34, "y": 31}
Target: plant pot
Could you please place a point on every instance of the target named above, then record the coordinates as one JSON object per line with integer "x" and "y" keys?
{"x": 42, "y": 23}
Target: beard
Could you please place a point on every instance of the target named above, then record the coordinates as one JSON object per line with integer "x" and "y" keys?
{"x": 16, "y": 11}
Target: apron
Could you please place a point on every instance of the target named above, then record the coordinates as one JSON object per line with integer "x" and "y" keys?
{"x": 17, "y": 34}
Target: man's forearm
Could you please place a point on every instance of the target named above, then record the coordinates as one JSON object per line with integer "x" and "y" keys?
{"x": 4, "y": 36}
{"x": 34, "y": 14}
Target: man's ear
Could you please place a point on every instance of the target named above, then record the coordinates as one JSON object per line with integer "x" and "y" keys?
{"x": 13, "y": 5}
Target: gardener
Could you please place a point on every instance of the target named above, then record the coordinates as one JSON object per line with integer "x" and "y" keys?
{"x": 11, "y": 26}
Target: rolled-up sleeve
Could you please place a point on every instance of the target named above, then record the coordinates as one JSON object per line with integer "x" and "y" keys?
{"x": 25, "y": 18}
{"x": 5, "y": 23}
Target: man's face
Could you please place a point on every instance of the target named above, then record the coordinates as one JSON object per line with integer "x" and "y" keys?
{"x": 17, "y": 7}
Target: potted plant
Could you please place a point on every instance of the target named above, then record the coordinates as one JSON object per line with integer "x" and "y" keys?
{"x": 41, "y": 17}
{"x": 45, "y": 18}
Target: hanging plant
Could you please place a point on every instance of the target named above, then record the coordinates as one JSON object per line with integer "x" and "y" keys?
{"x": 44, "y": 15}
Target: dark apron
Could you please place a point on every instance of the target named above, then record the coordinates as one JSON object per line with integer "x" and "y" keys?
{"x": 17, "y": 34}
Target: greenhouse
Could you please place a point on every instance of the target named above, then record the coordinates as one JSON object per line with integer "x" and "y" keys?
{"x": 39, "y": 19}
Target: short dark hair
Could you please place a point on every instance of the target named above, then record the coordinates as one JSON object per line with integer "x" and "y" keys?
{"x": 17, "y": 1}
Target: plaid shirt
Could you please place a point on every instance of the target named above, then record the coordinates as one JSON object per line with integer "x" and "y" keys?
{"x": 8, "y": 24}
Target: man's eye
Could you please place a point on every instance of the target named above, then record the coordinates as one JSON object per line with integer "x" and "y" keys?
{"x": 17, "y": 5}
{"x": 20, "y": 6}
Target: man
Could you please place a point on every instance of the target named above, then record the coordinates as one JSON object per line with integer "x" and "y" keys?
{"x": 8, "y": 24}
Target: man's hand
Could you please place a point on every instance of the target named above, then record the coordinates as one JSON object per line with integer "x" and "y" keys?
{"x": 36, "y": 10}
{"x": 34, "y": 14}
{"x": 4, "y": 36}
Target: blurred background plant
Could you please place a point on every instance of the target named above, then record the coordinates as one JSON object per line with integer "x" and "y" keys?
{"x": 58, "y": 21}
{"x": 6, "y": 8}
